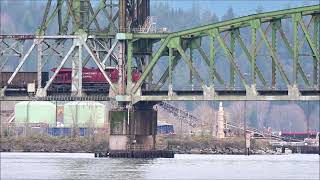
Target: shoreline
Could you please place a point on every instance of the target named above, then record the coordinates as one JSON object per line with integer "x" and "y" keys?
{"x": 83, "y": 152}
{"x": 189, "y": 145}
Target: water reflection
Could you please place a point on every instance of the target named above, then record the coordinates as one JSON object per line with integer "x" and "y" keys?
{"x": 85, "y": 166}
{"x": 104, "y": 168}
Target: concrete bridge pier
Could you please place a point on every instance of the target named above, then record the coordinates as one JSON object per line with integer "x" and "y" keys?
{"x": 133, "y": 130}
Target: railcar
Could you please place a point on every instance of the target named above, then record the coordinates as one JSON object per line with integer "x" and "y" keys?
{"x": 92, "y": 79}
{"x": 22, "y": 79}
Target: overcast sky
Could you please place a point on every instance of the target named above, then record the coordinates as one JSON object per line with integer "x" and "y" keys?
{"x": 240, "y": 7}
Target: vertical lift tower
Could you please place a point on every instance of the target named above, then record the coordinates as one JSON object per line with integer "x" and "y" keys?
{"x": 132, "y": 127}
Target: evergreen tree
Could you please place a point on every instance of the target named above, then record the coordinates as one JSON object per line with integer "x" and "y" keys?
{"x": 228, "y": 15}
{"x": 253, "y": 119}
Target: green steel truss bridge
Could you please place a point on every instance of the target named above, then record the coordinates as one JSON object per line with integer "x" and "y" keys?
{"x": 123, "y": 35}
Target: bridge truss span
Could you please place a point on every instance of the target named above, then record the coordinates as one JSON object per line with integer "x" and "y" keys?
{"x": 267, "y": 56}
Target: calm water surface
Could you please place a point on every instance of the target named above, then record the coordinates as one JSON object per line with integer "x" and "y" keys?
{"x": 85, "y": 166}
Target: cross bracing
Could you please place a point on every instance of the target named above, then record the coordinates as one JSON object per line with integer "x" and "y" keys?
{"x": 238, "y": 59}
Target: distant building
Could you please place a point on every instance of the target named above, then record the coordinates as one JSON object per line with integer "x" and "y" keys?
{"x": 165, "y": 128}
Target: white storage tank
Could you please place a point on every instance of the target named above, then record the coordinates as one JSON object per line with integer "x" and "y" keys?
{"x": 84, "y": 114}
{"x": 35, "y": 112}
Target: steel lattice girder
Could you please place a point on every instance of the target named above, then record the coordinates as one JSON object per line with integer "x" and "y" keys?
{"x": 78, "y": 16}
{"x": 216, "y": 31}
{"x": 55, "y": 47}
{"x": 176, "y": 44}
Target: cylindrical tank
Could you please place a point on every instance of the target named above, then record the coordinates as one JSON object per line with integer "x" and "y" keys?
{"x": 35, "y": 112}
{"x": 84, "y": 114}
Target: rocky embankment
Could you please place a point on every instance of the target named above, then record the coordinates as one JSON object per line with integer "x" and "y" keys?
{"x": 52, "y": 144}
{"x": 203, "y": 145}
{"x": 189, "y": 145}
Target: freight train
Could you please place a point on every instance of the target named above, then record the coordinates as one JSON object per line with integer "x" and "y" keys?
{"x": 92, "y": 79}
{"x": 21, "y": 80}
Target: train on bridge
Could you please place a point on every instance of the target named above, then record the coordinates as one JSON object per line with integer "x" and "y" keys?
{"x": 92, "y": 79}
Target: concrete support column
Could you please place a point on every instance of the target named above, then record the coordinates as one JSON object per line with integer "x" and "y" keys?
{"x": 132, "y": 130}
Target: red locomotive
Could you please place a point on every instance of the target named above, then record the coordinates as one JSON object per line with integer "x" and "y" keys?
{"x": 92, "y": 79}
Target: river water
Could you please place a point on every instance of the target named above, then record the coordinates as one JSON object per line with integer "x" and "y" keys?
{"x": 85, "y": 166}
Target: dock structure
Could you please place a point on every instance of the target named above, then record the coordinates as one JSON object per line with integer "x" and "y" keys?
{"x": 136, "y": 154}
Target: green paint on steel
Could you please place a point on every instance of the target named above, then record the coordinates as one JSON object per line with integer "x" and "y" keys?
{"x": 191, "y": 67}
{"x": 247, "y": 19}
{"x": 191, "y": 62}
{"x": 174, "y": 42}
{"x": 124, "y": 36}
{"x": 129, "y": 66}
{"x": 274, "y": 56}
{"x": 254, "y": 26}
{"x": 117, "y": 120}
{"x": 315, "y": 53}
{"x": 246, "y": 51}
{"x": 152, "y": 63}
{"x": 296, "y": 18}
{"x": 164, "y": 76}
{"x": 195, "y": 43}
{"x": 214, "y": 72}
{"x": 211, "y": 61}
{"x": 316, "y": 38}
{"x": 230, "y": 57}
{"x": 170, "y": 67}
{"x": 290, "y": 49}
{"x": 274, "y": 25}
{"x": 232, "y": 51}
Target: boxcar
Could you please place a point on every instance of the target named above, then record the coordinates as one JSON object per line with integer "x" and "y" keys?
{"x": 21, "y": 80}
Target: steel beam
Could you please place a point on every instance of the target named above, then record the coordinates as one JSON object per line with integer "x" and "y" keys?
{"x": 210, "y": 63}
{"x": 239, "y": 22}
{"x": 100, "y": 66}
{"x": 230, "y": 57}
{"x": 296, "y": 18}
{"x": 226, "y": 98}
{"x": 232, "y": 52}
{"x": 23, "y": 60}
{"x": 59, "y": 68}
{"x": 102, "y": 49}
{"x": 316, "y": 34}
{"x": 129, "y": 67}
{"x": 290, "y": 49}
{"x": 250, "y": 59}
{"x": 274, "y": 56}
{"x": 150, "y": 66}
{"x": 212, "y": 60}
{"x": 39, "y": 64}
{"x": 170, "y": 93}
{"x": 191, "y": 67}
{"x": 274, "y": 25}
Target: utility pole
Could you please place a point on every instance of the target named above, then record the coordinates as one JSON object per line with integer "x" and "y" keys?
{"x": 246, "y": 144}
